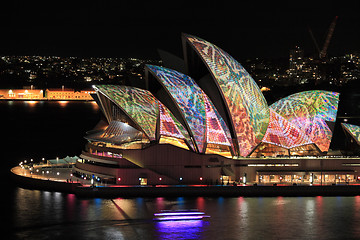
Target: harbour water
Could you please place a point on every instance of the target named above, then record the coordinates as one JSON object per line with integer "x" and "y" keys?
{"x": 51, "y": 215}
{"x": 50, "y": 129}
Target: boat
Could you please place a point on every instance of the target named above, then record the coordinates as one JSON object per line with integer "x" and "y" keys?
{"x": 176, "y": 215}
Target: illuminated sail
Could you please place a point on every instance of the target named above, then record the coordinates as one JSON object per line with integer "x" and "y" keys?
{"x": 309, "y": 111}
{"x": 245, "y": 103}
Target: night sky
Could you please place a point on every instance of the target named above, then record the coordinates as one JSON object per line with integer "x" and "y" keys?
{"x": 137, "y": 28}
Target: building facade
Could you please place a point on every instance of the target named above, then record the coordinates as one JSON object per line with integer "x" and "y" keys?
{"x": 25, "y": 94}
{"x": 68, "y": 94}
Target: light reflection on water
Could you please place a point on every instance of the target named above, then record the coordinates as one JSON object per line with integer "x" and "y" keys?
{"x": 60, "y": 103}
{"x": 38, "y": 214}
{"x": 180, "y": 229}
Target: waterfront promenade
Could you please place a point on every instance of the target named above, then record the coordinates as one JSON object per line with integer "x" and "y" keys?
{"x": 60, "y": 179}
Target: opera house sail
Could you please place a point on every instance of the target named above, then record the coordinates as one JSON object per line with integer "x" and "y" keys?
{"x": 243, "y": 99}
{"x": 198, "y": 125}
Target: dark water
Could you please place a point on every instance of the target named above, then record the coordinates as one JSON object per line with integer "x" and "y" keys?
{"x": 50, "y": 129}
{"x": 46, "y": 215}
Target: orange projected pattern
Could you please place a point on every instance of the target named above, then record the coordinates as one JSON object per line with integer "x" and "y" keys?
{"x": 309, "y": 111}
{"x": 283, "y": 133}
{"x": 216, "y": 130}
{"x": 170, "y": 126}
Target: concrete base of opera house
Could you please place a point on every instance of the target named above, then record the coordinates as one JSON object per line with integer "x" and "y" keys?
{"x": 181, "y": 190}
{"x": 30, "y": 182}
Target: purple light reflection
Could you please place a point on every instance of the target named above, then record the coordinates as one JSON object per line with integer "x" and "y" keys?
{"x": 174, "y": 218}
{"x": 188, "y": 229}
{"x": 178, "y": 213}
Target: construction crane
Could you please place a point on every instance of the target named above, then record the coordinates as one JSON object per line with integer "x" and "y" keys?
{"x": 323, "y": 52}
{"x": 328, "y": 38}
{"x": 314, "y": 40}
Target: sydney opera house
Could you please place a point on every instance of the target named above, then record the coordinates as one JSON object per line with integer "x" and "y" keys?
{"x": 204, "y": 120}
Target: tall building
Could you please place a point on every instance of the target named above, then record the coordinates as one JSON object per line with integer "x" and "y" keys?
{"x": 296, "y": 63}
{"x": 302, "y": 69}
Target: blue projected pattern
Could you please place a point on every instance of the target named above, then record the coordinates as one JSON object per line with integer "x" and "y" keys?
{"x": 188, "y": 97}
{"x": 201, "y": 115}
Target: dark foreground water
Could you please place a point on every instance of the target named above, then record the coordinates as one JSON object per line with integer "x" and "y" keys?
{"x": 46, "y": 215}
{"x": 50, "y": 129}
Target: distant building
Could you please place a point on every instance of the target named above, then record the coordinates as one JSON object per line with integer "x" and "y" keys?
{"x": 50, "y": 94}
{"x": 302, "y": 69}
{"x": 26, "y": 94}
{"x": 296, "y": 61}
{"x": 68, "y": 94}
{"x": 296, "y": 65}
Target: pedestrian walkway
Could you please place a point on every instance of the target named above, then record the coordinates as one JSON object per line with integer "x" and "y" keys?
{"x": 58, "y": 173}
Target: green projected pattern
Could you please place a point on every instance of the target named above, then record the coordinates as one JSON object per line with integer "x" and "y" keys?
{"x": 353, "y": 130}
{"x": 140, "y": 105}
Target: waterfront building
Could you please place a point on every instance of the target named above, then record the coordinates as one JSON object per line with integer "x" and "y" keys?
{"x": 205, "y": 121}
{"x": 68, "y": 94}
{"x": 23, "y": 94}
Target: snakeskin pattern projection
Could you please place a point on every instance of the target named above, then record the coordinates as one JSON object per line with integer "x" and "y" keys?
{"x": 200, "y": 113}
{"x": 216, "y": 129}
{"x": 353, "y": 130}
{"x": 170, "y": 126}
{"x": 283, "y": 133}
{"x": 246, "y": 105}
{"x": 309, "y": 111}
{"x": 140, "y": 105}
{"x": 189, "y": 99}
